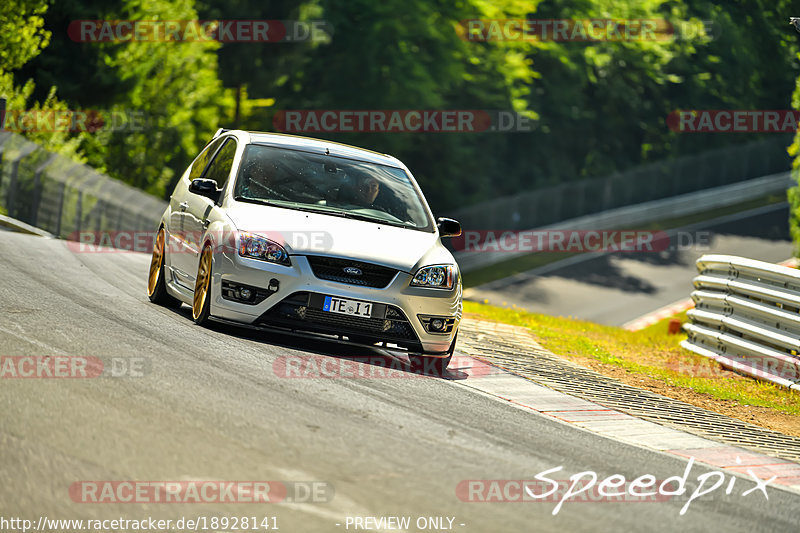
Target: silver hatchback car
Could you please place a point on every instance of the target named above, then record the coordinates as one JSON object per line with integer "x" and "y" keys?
{"x": 311, "y": 237}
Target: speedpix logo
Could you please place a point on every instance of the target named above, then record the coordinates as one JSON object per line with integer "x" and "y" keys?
{"x": 589, "y": 487}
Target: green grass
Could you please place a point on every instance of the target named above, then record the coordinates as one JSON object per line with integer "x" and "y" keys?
{"x": 536, "y": 260}
{"x": 649, "y": 353}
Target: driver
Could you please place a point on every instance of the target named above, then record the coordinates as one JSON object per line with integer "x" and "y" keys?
{"x": 367, "y": 190}
{"x": 361, "y": 190}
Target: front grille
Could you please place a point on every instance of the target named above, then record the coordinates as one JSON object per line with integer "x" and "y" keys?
{"x": 296, "y": 312}
{"x": 333, "y": 269}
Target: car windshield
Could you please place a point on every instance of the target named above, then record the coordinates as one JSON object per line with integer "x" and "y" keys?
{"x": 331, "y": 185}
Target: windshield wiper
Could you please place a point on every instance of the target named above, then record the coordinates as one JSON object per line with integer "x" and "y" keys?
{"x": 377, "y": 220}
{"x": 261, "y": 201}
{"x": 358, "y": 216}
{"x": 332, "y": 212}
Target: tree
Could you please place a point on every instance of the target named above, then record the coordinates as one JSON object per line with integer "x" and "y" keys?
{"x": 410, "y": 55}
{"x": 22, "y": 38}
{"x": 165, "y": 97}
{"x": 793, "y": 194}
{"x": 23, "y": 35}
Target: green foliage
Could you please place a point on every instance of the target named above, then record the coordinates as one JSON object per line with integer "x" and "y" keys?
{"x": 176, "y": 88}
{"x": 410, "y": 55}
{"x": 793, "y": 194}
{"x": 606, "y": 103}
{"x": 22, "y": 31}
{"x": 19, "y": 98}
{"x": 22, "y": 37}
{"x": 165, "y": 97}
{"x": 600, "y": 107}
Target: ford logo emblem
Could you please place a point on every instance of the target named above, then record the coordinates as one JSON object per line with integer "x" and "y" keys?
{"x": 353, "y": 271}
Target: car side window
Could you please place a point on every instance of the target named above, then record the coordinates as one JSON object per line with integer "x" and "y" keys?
{"x": 202, "y": 160}
{"x": 220, "y": 167}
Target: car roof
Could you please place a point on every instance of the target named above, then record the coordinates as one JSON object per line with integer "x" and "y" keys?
{"x": 320, "y": 146}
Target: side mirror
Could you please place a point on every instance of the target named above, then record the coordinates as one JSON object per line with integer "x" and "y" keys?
{"x": 448, "y": 227}
{"x": 204, "y": 187}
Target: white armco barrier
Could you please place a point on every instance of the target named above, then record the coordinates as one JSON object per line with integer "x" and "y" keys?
{"x": 747, "y": 317}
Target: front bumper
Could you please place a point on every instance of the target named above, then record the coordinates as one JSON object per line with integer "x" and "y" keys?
{"x": 296, "y": 303}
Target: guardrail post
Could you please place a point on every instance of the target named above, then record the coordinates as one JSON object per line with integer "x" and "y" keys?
{"x": 608, "y": 194}
{"x": 118, "y": 225}
{"x": 37, "y": 189}
{"x": 79, "y": 213}
{"x": 2, "y": 157}
{"x": 12, "y": 184}
{"x": 61, "y": 196}
{"x": 100, "y": 206}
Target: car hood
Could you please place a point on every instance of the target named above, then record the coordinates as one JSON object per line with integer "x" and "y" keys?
{"x": 305, "y": 233}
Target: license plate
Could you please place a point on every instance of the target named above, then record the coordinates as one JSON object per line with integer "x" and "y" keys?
{"x": 347, "y": 307}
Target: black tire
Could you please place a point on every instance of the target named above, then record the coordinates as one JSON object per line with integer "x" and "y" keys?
{"x": 156, "y": 281}
{"x": 201, "y": 303}
{"x": 433, "y": 365}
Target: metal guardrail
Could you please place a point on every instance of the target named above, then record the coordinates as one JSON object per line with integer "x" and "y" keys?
{"x": 635, "y": 215}
{"x": 550, "y": 204}
{"x": 747, "y": 317}
{"x": 56, "y": 194}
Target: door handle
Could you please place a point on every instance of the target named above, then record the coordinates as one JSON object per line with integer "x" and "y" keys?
{"x": 184, "y": 206}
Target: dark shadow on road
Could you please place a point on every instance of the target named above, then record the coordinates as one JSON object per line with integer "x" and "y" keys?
{"x": 386, "y": 363}
{"x": 604, "y": 272}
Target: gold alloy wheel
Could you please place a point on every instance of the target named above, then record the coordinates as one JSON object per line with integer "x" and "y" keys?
{"x": 155, "y": 263}
{"x": 201, "y": 287}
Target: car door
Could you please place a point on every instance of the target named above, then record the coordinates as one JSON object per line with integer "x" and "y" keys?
{"x": 195, "y": 218}
{"x": 182, "y": 260}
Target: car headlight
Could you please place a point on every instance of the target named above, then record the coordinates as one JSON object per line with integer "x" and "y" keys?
{"x": 437, "y": 277}
{"x": 257, "y": 247}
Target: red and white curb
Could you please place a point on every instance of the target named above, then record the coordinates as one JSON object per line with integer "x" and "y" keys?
{"x": 659, "y": 315}
{"x": 628, "y": 429}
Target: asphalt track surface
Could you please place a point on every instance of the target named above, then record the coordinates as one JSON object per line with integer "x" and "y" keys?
{"x": 616, "y": 288}
{"x": 210, "y": 407}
